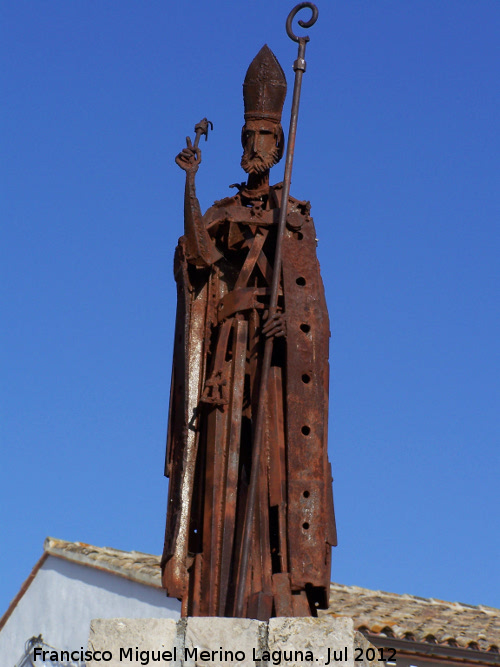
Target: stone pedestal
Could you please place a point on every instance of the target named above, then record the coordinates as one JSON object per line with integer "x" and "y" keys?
{"x": 227, "y": 642}
{"x": 130, "y": 641}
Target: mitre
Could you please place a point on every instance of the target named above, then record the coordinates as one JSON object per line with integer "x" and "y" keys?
{"x": 264, "y": 88}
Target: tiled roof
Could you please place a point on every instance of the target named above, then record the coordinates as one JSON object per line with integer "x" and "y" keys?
{"x": 404, "y": 617}
{"x": 417, "y": 619}
{"x": 134, "y": 565}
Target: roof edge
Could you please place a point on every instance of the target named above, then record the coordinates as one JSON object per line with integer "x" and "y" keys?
{"x": 452, "y": 653}
{"x": 26, "y": 584}
{"x": 51, "y": 548}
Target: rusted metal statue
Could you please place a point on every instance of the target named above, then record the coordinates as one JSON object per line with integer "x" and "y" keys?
{"x": 250, "y": 520}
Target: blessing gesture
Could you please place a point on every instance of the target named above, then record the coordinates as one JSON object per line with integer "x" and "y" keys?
{"x": 189, "y": 158}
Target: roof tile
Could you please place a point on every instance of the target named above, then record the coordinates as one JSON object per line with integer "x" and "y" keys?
{"x": 416, "y": 618}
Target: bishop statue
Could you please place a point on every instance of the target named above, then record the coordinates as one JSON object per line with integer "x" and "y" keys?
{"x": 223, "y": 267}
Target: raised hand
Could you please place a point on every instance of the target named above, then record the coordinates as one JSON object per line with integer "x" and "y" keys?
{"x": 189, "y": 158}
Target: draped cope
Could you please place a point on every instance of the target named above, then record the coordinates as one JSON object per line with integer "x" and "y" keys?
{"x": 214, "y": 396}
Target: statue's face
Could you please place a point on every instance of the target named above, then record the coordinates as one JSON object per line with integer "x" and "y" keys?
{"x": 260, "y": 145}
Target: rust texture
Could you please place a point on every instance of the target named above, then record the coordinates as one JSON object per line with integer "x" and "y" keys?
{"x": 250, "y": 520}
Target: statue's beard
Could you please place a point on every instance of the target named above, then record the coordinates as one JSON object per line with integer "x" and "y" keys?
{"x": 258, "y": 164}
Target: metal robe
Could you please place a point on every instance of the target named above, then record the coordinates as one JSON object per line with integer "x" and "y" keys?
{"x": 214, "y": 397}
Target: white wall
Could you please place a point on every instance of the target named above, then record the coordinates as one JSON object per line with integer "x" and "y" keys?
{"x": 65, "y": 596}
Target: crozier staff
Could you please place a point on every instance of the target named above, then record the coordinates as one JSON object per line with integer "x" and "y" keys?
{"x": 300, "y": 67}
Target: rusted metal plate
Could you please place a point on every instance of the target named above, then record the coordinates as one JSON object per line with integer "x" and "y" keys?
{"x": 240, "y": 334}
{"x": 282, "y": 594}
{"x": 300, "y": 604}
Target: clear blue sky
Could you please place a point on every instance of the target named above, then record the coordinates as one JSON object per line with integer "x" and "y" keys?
{"x": 398, "y": 151}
